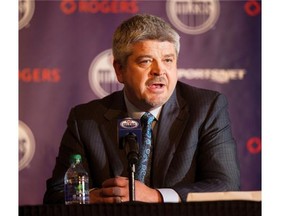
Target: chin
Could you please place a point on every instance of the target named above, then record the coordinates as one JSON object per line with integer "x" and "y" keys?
{"x": 155, "y": 103}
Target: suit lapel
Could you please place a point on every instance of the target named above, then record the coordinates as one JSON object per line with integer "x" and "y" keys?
{"x": 171, "y": 125}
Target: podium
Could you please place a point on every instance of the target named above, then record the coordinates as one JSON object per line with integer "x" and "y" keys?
{"x": 237, "y": 206}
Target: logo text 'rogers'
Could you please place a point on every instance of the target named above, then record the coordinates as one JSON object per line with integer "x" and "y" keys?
{"x": 39, "y": 75}
{"x": 96, "y": 6}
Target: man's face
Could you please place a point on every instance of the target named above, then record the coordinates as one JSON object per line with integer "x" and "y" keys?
{"x": 150, "y": 74}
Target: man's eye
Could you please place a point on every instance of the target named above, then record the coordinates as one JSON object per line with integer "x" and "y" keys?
{"x": 145, "y": 62}
{"x": 169, "y": 60}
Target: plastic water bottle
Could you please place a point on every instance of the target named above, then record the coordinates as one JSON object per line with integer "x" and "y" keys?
{"x": 76, "y": 182}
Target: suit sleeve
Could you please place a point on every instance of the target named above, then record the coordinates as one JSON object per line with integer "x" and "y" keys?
{"x": 216, "y": 158}
{"x": 70, "y": 144}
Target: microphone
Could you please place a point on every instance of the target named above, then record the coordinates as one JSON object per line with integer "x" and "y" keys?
{"x": 130, "y": 137}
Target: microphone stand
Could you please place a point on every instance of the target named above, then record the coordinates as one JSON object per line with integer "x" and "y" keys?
{"x": 131, "y": 171}
{"x": 132, "y": 150}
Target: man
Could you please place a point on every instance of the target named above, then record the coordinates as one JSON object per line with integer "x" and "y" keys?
{"x": 192, "y": 146}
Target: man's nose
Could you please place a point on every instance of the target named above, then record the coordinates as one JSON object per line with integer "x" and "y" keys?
{"x": 157, "y": 68}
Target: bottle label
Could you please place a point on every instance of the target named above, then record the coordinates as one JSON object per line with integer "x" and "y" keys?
{"x": 77, "y": 190}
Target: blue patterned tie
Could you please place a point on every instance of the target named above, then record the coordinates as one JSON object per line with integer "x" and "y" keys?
{"x": 144, "y": 163}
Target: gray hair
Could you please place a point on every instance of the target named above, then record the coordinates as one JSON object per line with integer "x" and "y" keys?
{"x": 139, "y": 28}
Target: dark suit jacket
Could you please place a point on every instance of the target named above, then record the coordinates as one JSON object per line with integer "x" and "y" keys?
{"x": 194, "y": 149}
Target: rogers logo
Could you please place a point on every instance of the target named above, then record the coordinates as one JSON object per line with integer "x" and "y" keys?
{"x": 96, "y": 6}
{"x": 26, "y": 143}
{"x": 254, "y": 145}
{"x": 26, "y": 11}
{"x": 193, "y": 16}
{"x": 102, "y": 76}
{"x": 252, "y": 7}
{"x": 39, "y": 75}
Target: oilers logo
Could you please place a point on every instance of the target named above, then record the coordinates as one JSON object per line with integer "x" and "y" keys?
{"x": 102, "y": 76}
{"x": 193, "y": 16}
{"x": 26, "y": 143}
{"x": 129, "y": 123}
{"x": 26, "y": 11}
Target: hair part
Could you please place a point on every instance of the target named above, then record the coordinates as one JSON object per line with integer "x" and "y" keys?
{"x": 138, "y": 28}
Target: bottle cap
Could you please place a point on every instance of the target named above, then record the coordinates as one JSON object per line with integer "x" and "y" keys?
{"x": 75, "y": 157}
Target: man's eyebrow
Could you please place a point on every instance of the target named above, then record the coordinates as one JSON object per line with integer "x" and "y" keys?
{"x": 143, "y": 56}
{"x": 150, "y": 56}
{"x": 169, "y": 55}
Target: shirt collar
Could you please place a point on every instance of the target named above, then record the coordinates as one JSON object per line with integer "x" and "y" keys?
{"x": 135, "y": 113}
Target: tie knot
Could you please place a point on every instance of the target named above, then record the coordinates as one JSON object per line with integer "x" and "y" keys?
{"x": 147, "y": 118}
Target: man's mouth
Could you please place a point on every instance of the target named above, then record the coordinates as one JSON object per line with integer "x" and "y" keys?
{"x": 156, "y": 85}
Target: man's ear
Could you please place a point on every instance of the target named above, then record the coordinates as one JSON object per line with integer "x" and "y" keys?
{"x": 118, "y": 70}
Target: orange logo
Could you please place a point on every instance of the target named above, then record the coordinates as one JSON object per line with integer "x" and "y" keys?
{"x": 254, "y": 145}
{"x": 95, "y": 6}
{"x": 252, "y": 7}
{"x": 39, "y": 75}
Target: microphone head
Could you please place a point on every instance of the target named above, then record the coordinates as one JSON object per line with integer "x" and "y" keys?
{"x": 129, "y": 126}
